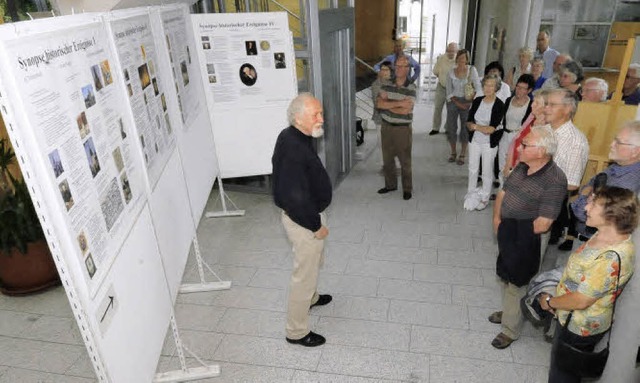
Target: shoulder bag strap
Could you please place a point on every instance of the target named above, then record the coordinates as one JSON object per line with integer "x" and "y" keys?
{"x": 613, "y": 310}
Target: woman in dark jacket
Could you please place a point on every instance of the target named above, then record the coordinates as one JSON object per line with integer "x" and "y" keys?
{"x": 485, "y": 116}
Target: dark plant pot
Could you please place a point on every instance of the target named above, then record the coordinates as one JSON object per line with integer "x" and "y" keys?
{"x": 22, "y": 274}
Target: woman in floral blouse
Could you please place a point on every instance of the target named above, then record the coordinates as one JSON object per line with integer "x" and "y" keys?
{"x": 587, "y": 288}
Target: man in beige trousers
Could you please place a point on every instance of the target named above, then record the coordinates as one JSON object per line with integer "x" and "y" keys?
{"x": 302, "y": 189}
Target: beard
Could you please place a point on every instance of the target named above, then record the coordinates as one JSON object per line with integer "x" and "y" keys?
{"x": 317, "y": 132}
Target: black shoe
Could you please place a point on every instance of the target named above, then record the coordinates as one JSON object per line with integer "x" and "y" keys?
{"x": 406, "y": 195}
{"x": 496, "y": 184}
{"x": 567, "y": 245}
{"x": 323, "y": 299}
{"x": 554, "y": 240}
{"x": 310, "y": 340}
{"x": 433, "y": 132}
{"x": 385, "y": 190}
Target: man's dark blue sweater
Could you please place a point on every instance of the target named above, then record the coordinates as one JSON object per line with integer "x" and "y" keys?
{"x": 301, "y": 185}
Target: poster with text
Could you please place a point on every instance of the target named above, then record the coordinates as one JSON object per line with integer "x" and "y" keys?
{"x": 246, "y": 59}
{"x": 146, "y": 87}
{"x": 69, "y": 86}
{"x": 183, "y": 63}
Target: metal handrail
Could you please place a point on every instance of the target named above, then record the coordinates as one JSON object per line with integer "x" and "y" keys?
{"x": 365, "y": 64}
{"x": 286, "y": 9}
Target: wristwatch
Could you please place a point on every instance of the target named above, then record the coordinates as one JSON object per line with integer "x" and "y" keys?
{"x": 548, "y": 300}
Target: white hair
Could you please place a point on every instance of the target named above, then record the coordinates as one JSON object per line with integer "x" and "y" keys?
{"x": 297, "y": 106}
{"x": 634, "y": 130}
{"x": 600, "y": 85}
{"x": 546, "y": 138}
{"x": 635, "y": 67}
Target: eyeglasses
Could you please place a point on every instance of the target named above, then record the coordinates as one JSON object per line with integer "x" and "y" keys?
{"x": 525, "y": 145}
{"x": 617, "y": 142}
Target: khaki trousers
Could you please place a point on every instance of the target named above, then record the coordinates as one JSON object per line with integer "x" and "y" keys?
{"x": 396, "y": 142}
{"x": 512, "y": 319}
{"x": 307, "y": 259}
{"x": 438, "y": 103}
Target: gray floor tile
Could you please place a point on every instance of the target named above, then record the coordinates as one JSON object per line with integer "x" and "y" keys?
{"x": 448, "y": 274}
{"x": 414, "y": 291}
{"x": 367, "y": 362}
{"x": 82, "y": 367}
{"x": 348, "y": 285}
{"x": 53, "y": 302}
{"x": 446, "y": 369}
{"x": 452, "y": 342}
{"x": 465, "y": 258}
{"x": 267, "y": 352}
{"x": 13, "y": 323}
{"x": 383, "y": 269}
{"x": 477, "y": 231}
{"x": 411, "y": 227}
{"x": 203, "y": 344}
{"x": 445, "y": 242}
{"x": 428, "y": 314}
{"x": 37, "y": 355}
{"x": 360, "y": 333}
{"x": 54, "y": 329}
{"x": 271, "y": 278}
{"x": 243, "y": 373}
{"x": 476, "y": 296}
{"x": 531, "y": 351}
{"x": 14, "y": 375}
{"x": 334, "y": 249}
{"x": 402, "y": 254}
{"x": 374, "y": 309}
{"x": 316, "y": 377}
{"x": 268, "y": 259}
{"x": 238, "y": 275}
{"x": 251, "y": 298}
{"x": 267, "y": 324}
{"x": 198, "y": 317}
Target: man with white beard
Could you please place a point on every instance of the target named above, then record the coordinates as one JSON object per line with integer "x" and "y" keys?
{"x": 302, "y": 189}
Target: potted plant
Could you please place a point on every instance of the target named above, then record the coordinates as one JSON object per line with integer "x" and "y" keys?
{"x": 26, "y": 264}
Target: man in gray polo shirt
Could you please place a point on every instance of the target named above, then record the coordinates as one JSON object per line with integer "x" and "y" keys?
{"x": 527, "y": 205}
{"x": 395, "y": 102}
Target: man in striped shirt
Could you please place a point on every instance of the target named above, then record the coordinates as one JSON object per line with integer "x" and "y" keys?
{"x": 395, "y": 101}
{"x": 525, "y": 208}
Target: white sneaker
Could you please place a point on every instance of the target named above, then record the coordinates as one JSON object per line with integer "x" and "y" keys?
{"x": 482, "y": 205}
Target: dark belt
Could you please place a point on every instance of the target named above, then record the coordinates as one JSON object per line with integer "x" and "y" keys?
{"x": 582, "y": 238}
{"x": 392, "y": 124}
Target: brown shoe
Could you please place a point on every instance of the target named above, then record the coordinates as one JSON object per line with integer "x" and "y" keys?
{"x": 501, "y": 341}
{"x": 496, "y": 317}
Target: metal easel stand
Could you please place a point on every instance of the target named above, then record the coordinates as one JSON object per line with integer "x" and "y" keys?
{"x": 185, "y": 374}
{"x": 203, "y": 285}
{"x": 224, "y": 213}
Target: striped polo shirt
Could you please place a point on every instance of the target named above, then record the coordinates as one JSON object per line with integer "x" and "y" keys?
{"x": 537, "y": 195}
{"x": 408, "y": 90}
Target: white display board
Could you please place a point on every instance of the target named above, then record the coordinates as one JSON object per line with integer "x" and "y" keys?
{"x": 71, "y": 100}
{"x": 248, "y": 68}
{"x": 119, "y": 171}
{"x": 61, "y": 98}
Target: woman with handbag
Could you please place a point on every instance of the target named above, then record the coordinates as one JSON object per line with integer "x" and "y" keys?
{"x": 462, "y": 84}
{"x": 593, "y": 278}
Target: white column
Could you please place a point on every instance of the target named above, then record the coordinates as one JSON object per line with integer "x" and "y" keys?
{"x": 516, "y": 32}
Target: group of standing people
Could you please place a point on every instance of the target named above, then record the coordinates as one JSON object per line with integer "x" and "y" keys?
{"x": 542, "y": 158}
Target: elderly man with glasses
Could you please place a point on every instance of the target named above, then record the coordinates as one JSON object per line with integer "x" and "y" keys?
{"x": 630, "y": 90}
{"x": 525, "y": 208}
{"x": 624, "y": 172}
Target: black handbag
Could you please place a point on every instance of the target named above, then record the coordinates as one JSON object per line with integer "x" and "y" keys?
{"x": 581, "y": 363}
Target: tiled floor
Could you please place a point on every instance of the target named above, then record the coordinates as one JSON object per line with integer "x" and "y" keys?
{"x": 413, "y": 282}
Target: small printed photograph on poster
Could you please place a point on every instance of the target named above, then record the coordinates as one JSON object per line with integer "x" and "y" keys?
{"x": 83, "y": 244}
{"x": 83, "y": 125}
{"x": 163, "y": 100}
{"x": 117, "y": 159}
{"x": 152, "y": 68}
{"x": 248, "y": 74}
{"x": 143, "y": 73}
{"x": 156, "y": 91}
{"x": 92, "y": 157}
{"x": 280, "y": 60}
{"x": 65, "y": 191}
{"x": 212, "y": 79}
{"x": 91, "y": 266}
{"x": 123, "y": 134}
{"x": 129, "y": 90}
{"x": 106, "y": 72}
{"x": 126, "y": 75}
{"x": 251, "y": 48}
{"x": 56, "y": 163}
{"x": 95, "y": 73}
{"x": 185, "y": 73}
{"x": 126, "y": 189}
{"x": 211, "y": 69}
{"x": 188, "y": 55}
{"x": 88, "y": 96}
{"x": 167, "y": 123}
